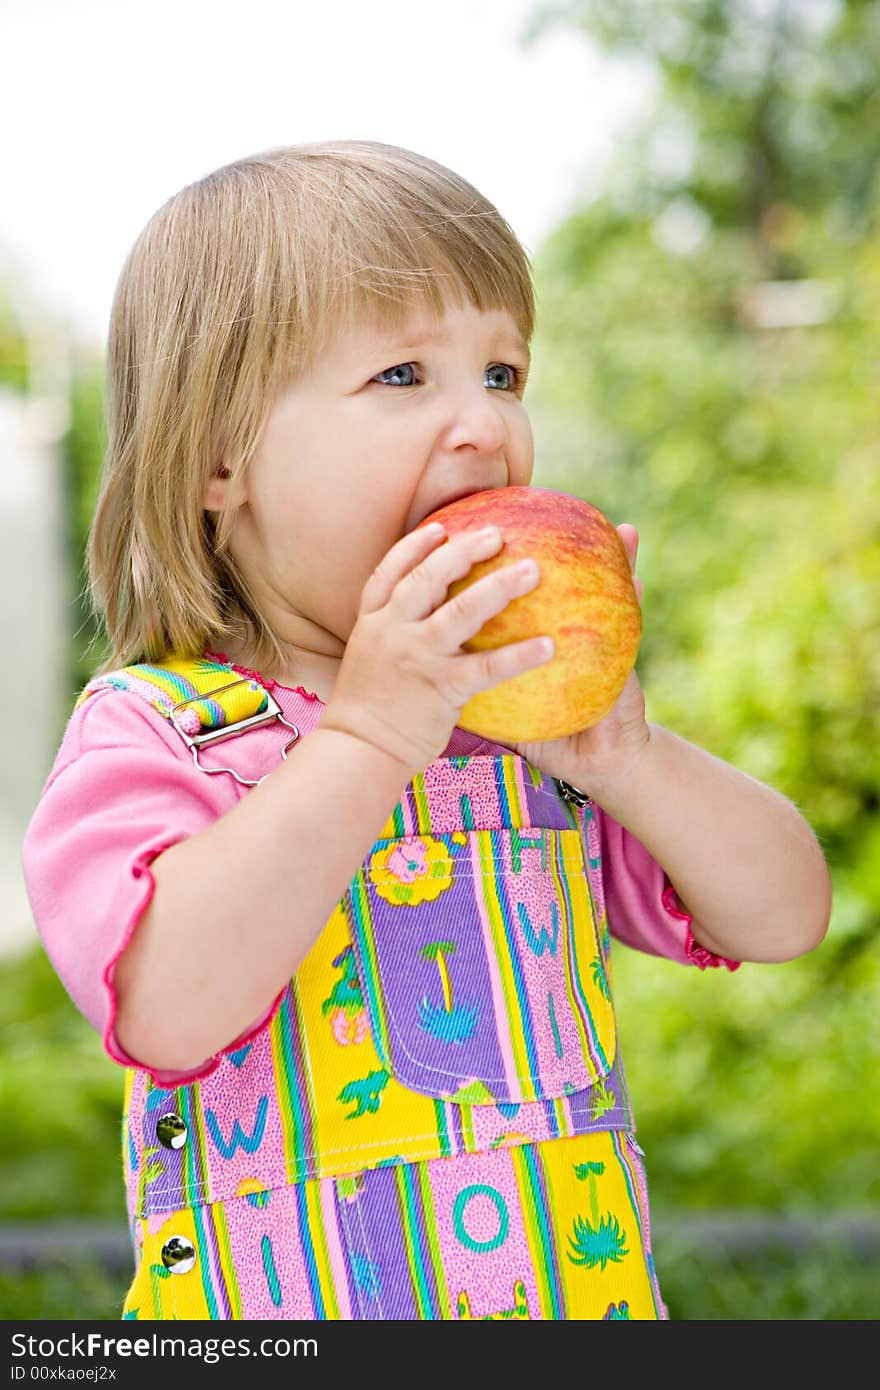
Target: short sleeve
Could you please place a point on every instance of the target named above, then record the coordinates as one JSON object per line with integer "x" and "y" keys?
{"x": 121, "y": 791}
{"x": 641, "y": 904}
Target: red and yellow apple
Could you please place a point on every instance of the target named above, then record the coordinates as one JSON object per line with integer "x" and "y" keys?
{"x": 585, "y": 600}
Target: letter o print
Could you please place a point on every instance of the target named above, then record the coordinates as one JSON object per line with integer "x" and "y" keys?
{"x": 480, "y": 1189}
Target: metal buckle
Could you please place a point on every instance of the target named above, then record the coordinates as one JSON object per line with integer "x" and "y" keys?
{"x": 253, "y": 721}
{"x": 573, "y": 795}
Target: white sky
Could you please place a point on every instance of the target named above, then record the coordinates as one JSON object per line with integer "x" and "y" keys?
{"x": 107, "y": 107}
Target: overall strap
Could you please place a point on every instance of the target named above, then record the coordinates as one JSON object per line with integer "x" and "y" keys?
{"x": 205, "y": 701}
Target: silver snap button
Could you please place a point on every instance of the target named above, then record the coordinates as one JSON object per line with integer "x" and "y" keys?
{"x": 171, "y": 1131}
{"x": 178, "y": 1255}
{"x": 573, "y": 795}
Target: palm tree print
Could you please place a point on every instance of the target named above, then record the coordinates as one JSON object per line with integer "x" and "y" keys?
{"x": 604, "y": 1239}
{"x": 438, "y": 951}
{"x": 453, "y": 1023}
{"x": 600, "y": 979}
{"x": 596, "y": 1245}
{"x": 455, "y": 1027}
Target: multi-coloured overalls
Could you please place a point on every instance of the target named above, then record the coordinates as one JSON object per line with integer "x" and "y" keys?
{"x": 434, "y": 1122}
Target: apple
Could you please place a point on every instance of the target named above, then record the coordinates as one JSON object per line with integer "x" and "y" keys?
{"x": 585, "y": 600}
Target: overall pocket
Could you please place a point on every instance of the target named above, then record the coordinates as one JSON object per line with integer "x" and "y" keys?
{"x": 480, "y": 964}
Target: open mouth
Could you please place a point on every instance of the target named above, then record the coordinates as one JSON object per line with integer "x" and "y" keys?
{"x": 453, "y": 497}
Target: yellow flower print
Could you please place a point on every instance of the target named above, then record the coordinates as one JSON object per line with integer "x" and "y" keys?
{"x": 416, "y": 869}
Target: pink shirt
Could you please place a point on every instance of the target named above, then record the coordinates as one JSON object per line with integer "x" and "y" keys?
{"x": 124, "y": 787}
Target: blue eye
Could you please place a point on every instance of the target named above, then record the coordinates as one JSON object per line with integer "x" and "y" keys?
{"x": 401, "y": 375}
{"x": 500, "y": 377}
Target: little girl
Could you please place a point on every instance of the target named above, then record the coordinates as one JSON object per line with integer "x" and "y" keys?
{"x": 355, "y": 959}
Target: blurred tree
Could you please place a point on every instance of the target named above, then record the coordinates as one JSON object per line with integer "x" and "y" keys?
{"x": 763, "y": 103}
{"x": 707, "y": 367}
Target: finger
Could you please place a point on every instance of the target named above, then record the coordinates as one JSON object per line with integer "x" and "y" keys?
{"x": 398, "y": 562}
{"x": 630, "y": 537}
{"x": 462, "y": 616}
{"x": 476, "y": 671}
{"x": 424, "y": 589}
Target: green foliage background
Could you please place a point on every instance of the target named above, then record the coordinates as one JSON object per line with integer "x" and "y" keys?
{"x": 671, "y": 389}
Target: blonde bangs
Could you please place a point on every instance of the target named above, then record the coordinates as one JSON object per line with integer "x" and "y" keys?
{"x": 228, "y": 293}
{"x": 358, "y": 231}
{"x": 395, "y": 246}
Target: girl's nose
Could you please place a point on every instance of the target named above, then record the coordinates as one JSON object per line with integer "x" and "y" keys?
{"x": 474, "y": 421}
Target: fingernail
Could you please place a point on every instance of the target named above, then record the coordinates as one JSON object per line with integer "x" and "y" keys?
{"x": 546, "y": 646}
{"x": 435, "y": 528}
{"x": 489, "y": 532}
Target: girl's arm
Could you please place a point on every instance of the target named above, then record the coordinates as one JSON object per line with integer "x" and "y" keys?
{"x": 742, "y": 859}
{"x": 237, "y": 906}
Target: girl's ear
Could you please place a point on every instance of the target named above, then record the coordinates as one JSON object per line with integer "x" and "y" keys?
{"x": 217, "y": 490}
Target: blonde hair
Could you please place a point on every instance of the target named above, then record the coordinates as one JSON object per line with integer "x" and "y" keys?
{"x": 228, "y": 292}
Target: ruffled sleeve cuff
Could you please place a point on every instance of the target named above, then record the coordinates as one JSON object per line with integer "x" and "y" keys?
{"x": 641, "y": 904}
{"x": 143, "y": 874}
{"x": 697, "y": 954}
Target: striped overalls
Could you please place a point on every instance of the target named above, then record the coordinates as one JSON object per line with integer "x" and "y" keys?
{"x": 434, "y": 1123}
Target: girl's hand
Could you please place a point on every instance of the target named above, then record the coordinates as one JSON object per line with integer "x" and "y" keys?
{"x": 404, "y": 679}
{"x": 592, "y": 757}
